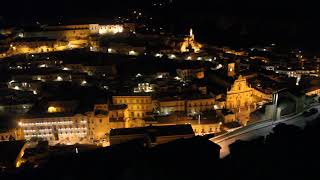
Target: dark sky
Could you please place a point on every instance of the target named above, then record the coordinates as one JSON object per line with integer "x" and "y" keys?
{"x": 106, "y": 7}
{"x": 211, "y": 19}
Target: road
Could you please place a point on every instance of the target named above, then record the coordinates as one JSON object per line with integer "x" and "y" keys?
{"x": 261, "y": 128}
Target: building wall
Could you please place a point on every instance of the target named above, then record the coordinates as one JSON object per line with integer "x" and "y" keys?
{"x": 168, "y": 107}
{"x": 261, "y": 95}
{"x": 231, "y": 69}
{"x": 202, "y": 129}
{"x": 61, "y": 34}
{"x": 199, "y": 105}
{"x": 37, "y": 47}
{"x": 98, "y": 126}
{"x": 12, "y": 134}
{"x": 314, "y": 92}
{"x": 229, "y": 118}
{"x": 138, "y": 106}
{"x": 111, "y": 29}
{"x": 241, "y": 95}
{"x": 193, "y": 106}
{"x": 65, "y": 129}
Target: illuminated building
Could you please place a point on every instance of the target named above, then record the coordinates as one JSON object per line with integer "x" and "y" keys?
{"x": 144, "y": 87}
{"x": 111, "y": 29}
{"x": 32, "y": 85}
{"x": 79, "y": 31}
{"x": 187, "y": 74}
{"x": 3, "y": 55}
{"x": 242, "y": 96}
{"x": 138, "y": 105}
{"x": 55, "y": 127}
{"x": 197, "y": 105}
{"x": 190, "y": 43}
{"x": 234, "y": 52}
{"x": 106, "y": 117}
{"x": 206, "y": 128}
{"x": 231, "y": 69}
{"x": 61, "y": 106}
{"x": 170, "y": 106}
{"x": 64, "y": 33}
{"x": 123, "y": 48}
{"x": 70, "y": 128}
{"x": 36, "y": 45}
{"x": 313, "y": 91}
{"x": 190, "y": 106}
{"x": 11, "y": 134}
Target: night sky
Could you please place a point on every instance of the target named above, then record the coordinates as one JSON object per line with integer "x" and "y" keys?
{"x": 224, "y": 20}
{"x": 50, "y": 8}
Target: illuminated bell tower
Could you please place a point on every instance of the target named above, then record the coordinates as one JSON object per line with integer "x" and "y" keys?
{"x": 231, "y": 70}
{"x": 191, "y": 34}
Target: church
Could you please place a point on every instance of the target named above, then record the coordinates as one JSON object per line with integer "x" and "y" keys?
{"x": 190, "y": 44}
{"x": 241, "y": 95}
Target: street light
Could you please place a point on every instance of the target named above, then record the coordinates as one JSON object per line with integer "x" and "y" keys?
{"x": 275, "y": 98}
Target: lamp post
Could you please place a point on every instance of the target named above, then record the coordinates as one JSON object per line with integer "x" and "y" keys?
{"x": 275, "y": 103}
{"x": 275, "y": 98}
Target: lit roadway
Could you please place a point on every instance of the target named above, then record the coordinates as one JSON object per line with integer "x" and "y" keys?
{"x": 261, "y": 128}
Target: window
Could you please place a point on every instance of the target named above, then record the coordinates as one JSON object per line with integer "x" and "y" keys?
{"x": 100, "y": 120}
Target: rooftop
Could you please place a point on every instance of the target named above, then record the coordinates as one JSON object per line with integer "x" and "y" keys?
{"x": 155, "y": 130}
{"x": 33, "y": 39}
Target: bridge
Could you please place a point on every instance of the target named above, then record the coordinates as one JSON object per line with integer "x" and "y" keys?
{"x": 262, "y": 128}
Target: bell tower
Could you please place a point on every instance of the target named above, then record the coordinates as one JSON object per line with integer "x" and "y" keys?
{"x": 231, "y": 69}
{"x": 191, "y": 34}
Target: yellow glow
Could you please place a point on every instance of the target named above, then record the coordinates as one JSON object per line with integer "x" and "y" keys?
{"x": 18, "y": 164}
{"x": 133, "y": 53}
{"x": 111, "y": 29}
{"x": 52, "y": 109}
{"x": 84, "y": 82}
{"x": 190, "y": 41}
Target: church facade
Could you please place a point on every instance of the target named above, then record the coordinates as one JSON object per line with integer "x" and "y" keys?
{"x": 241, "y": 95}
